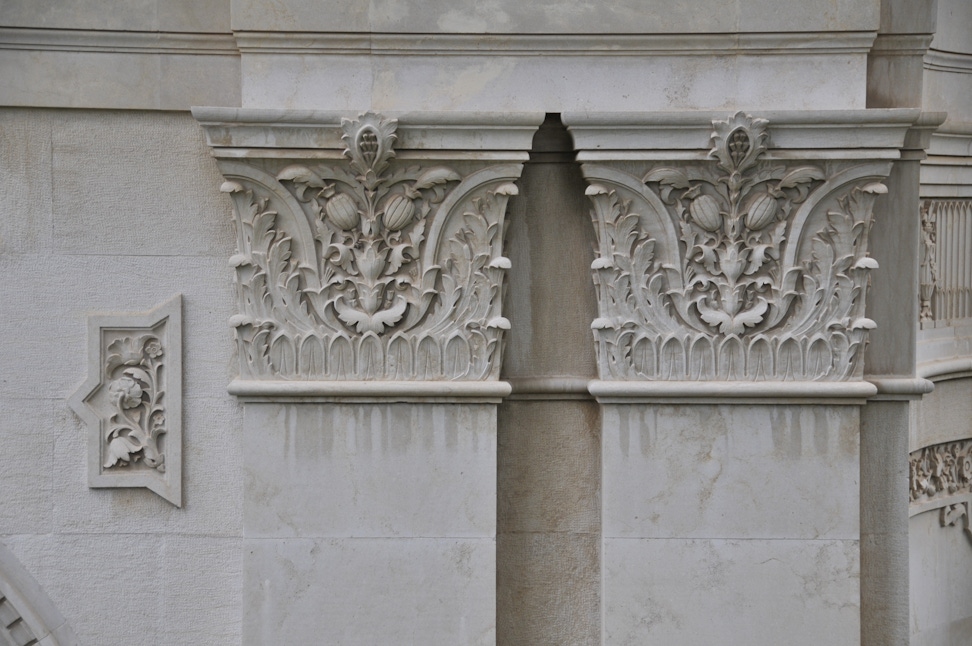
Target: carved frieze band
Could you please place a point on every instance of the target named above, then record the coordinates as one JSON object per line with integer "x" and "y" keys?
{"x": 370, "y": 268}
{"x": 734, "y": 269}
{"x": 941, "y": 479}
{"x": 132, "y": 400}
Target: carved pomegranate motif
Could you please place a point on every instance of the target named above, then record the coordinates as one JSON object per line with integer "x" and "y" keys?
{"x": 398, "y": 212}
{"x": 761, "y": 211}
{"x": 705, "y": 212}
{"x": 342, "y": 212}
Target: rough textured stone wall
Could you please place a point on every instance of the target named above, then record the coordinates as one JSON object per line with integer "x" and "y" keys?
{"x": 116, "y": 211}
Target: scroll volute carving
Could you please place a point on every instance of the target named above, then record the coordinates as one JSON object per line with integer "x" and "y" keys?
{"x": 736, "y": 268}
{"x": 370, "y": 268}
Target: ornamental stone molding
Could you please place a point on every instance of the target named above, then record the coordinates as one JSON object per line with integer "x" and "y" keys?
{"x": 369, "y": 249}
{"x": 744, "y": 261}
{"x": 941, "y": 479}
{"x": 132, "y": 400}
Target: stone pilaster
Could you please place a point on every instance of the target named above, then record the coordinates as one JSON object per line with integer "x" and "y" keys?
{"x": 732, "y": 281}
{"x": 369, "y": 277}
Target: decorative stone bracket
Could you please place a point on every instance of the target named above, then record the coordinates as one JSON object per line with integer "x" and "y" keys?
{"x": 132, "y": 400}
{"x": 744, "y": 263}
{"x": 369, "y": 249}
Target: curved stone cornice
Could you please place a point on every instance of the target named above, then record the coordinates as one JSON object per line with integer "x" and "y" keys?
{"x": 369, "y": 250}
{"x": 743, "y": 263}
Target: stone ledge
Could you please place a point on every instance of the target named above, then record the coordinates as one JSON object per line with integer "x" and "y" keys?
{"x": 531, "y": 45}
{"x": 371, "y": 391}
{"x": 731, "y": 392}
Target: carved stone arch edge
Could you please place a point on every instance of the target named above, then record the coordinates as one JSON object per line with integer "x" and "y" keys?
{"x": 829, "y": 156}
{"x": 121, "y": 347}
{"x": 940, "y": 479}
{"x": 37, "y": 618}
{"x": 311, "y": 178}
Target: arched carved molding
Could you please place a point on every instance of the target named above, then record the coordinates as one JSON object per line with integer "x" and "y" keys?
{"x": 27, "y": 615}
{"x": 940, "y": 478}
{"x": 371, "y": 263}
{"x": 744, "y": 264}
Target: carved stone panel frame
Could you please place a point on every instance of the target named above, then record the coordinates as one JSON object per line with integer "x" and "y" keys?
{"x": 132, "y": 400}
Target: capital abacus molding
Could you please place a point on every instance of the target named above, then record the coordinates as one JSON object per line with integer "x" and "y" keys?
{"x": 132, "y": 400}
{"x": 737, "y": 270}
{"x": 369, "y": 263}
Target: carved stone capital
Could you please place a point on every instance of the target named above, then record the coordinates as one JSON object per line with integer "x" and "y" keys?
{"x": 370, "y": 249}
{"x": 132, "y": 400}
{"x": 746, "y": 260}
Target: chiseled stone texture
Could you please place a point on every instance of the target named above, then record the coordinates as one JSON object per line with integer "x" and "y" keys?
{"x": 548, "y": 544}
{"x": 941, "y": 582}
{"x": 719, "y": 591}
{"x": 195, "y": 16}
{"x": 117, "y": 212}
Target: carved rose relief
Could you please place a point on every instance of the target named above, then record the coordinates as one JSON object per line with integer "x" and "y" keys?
{"x": 941, "y": 470}
{"x": 133, "y": 373}
{"x": 711, "y": 271}
{"x": 399, "y": 273}
{"x": 132, "y": 400}
{"x": 941, "y": 478}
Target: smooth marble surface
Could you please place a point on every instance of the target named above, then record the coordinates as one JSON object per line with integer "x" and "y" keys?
{"x": 374, "y": 470}
{"x": 345, "y": 592}
{"x": 553, "y": 16}
{"x": 941, "y": 582}
{"x": 549, "y": 83}
{"x": 717, "y": 591}
{"x": 739, "y": 471}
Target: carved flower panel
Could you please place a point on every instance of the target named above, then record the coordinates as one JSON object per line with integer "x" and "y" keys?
{"x": 131, "y": 400}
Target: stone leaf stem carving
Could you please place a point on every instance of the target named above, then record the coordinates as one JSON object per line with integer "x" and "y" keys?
{"x": 370, "y": 269}
{"x": 132, "y": 400}
{"x": 941, "y": 478}
{"x": 929, "y": 264}
{"x": 734, "y": 269}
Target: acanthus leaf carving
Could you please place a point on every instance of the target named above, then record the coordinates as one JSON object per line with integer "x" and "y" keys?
{"x": 737, "y": 269}
{"x": 400, "y": 276}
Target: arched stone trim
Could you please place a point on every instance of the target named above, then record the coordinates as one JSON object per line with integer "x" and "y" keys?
{"x": 27, "y": 615}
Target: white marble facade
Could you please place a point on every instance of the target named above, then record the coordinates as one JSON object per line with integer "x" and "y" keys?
{"x": 378, "y": 322}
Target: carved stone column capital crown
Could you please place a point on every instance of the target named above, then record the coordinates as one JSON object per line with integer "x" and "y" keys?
{"x": 743, "y": 261}
{"x": 369, "y": 248}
